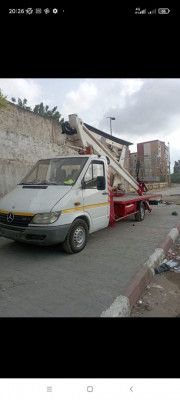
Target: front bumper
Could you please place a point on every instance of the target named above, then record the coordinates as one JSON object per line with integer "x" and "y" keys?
{"x": 36, "y": 235}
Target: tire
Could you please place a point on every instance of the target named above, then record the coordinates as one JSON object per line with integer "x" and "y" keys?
{"x": 141, "y": 212}
{"x": 76, "y": 238}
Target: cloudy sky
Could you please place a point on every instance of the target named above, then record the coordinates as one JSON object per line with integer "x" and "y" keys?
{"x": 145, "y": 109}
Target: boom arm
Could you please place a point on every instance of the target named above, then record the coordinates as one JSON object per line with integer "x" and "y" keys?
{"x": 84, "y": 138}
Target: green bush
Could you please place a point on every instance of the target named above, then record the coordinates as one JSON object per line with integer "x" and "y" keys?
{"x": 175, "y": 178}
{"x": 3, "y": 102}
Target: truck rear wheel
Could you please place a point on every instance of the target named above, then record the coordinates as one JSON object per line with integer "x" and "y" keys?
{"x": 141, "y": 212}
{"x": 76, "y": 238}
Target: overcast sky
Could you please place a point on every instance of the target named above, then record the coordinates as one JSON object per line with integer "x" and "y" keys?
{"x": 145, "y": 109}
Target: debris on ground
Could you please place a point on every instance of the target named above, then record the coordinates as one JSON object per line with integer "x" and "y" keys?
{"x": 156, "y": 286}
{"x": 174, "y": 213}
{"x": 161, "y": 297}
{"x": 168, "y": 203}
{"x": 162, "y": 268}
{"x": 154, "y": 202}
{"x": 148, "y": 306}
{"x": 177, "y": 270}
{"x": 166, "y": 265}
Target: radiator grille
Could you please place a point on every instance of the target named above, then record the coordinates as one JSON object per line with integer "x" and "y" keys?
{"x": 19, "y": 220}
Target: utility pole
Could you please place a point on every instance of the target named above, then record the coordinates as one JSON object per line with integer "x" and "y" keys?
{"x": 169, "y": 183}
{"x": 111, "y": 118}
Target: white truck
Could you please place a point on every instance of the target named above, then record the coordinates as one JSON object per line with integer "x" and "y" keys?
{"x": 63, "y": 199}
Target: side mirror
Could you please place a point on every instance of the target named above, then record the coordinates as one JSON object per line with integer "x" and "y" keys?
{"x": 83, "y": 184}
{"x": 101, "y": 183}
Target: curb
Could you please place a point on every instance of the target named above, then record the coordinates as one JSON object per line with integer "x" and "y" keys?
{"x": 123, "y": 304}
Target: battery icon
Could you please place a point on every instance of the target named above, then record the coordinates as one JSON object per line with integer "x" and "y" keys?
{"x": 163, "y": 10}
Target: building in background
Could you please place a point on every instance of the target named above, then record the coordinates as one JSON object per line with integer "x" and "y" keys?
{"x": 151, "y": 162}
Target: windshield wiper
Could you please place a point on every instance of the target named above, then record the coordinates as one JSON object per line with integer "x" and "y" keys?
{"x": 38, "y": 183}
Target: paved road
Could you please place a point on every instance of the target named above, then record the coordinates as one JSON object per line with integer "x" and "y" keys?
{"x": 46, "y": 282}
{"x": 170, "y": 191}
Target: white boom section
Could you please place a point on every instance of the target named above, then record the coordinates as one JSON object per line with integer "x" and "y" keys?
{"x": 85, "y": 138}
{"x": 122, "y": 157}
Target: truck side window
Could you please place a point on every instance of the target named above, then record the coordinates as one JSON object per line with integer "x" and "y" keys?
{"x": 95, "y": 169}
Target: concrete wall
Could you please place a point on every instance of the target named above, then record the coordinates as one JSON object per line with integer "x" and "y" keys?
{"x": 26, "y": 137}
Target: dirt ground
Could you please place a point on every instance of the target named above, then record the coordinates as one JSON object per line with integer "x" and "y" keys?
{"x": 162, "y": 297}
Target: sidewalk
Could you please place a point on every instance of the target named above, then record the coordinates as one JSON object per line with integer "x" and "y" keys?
{"x": 123, "y": 305}
{"x": 161, "y": 298}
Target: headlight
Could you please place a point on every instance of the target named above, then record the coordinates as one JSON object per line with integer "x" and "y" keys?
{"x": 46, "y": 218}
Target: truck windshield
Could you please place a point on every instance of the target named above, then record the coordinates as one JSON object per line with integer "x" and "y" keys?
{"x": 59, "y": 171}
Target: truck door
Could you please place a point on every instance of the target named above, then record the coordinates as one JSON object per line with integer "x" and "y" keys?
{"x": 95, "y": 201}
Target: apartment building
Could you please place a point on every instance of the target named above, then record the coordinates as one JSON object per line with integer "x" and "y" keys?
{"x": 151, "y": 161}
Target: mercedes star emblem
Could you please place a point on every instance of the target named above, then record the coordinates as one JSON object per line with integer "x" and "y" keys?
{"x": 10, "y": 217}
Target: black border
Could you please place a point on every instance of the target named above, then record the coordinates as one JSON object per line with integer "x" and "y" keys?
{"x": 89, "y": 347}
{"x": 93, "y": 39}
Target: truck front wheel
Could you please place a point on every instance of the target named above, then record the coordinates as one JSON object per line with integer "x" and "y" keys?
{"x": 141, "y": 212}
{"x": 76, "y": 238}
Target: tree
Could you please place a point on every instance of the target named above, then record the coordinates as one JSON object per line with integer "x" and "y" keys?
{"x": 40, "y": 109}
{"x": 175, "y": 178}
{"x": 177, "y": 166}
{"x": 21, "y": 103}
{"x": 3, "y": 102}
{"x": 45, "y": 112}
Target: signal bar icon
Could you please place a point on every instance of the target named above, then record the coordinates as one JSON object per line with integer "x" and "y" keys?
{"x": 152, "y": 12}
